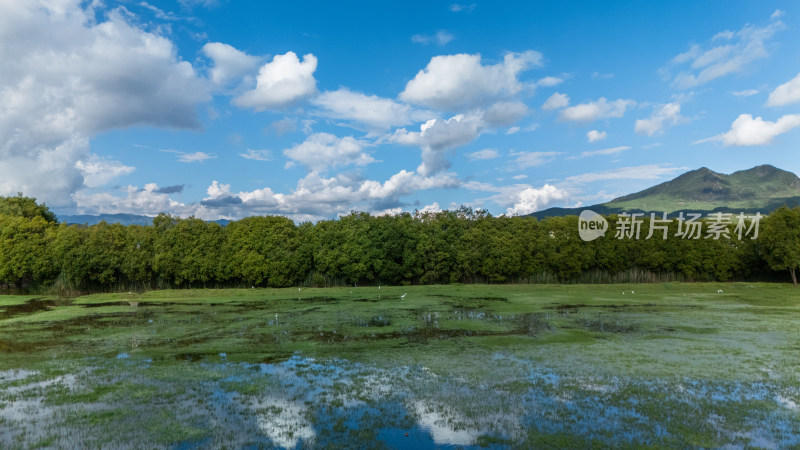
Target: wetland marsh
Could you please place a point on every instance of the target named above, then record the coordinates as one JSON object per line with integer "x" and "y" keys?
{"x": 491, "y": 366}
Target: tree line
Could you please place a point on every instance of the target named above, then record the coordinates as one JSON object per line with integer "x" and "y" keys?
{"x": 461, "y": 246}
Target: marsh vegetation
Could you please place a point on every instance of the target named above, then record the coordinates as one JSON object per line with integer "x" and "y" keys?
{"x": 479, "y": 366}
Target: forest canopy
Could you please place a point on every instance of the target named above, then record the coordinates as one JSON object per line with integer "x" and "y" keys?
{"x": 461, "y": 246}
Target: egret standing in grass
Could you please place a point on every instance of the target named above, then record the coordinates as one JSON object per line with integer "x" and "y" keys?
{"x": 404, "y": 295}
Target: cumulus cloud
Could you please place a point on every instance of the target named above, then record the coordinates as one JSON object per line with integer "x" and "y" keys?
{"x": 480, "y": 155}
{"x": 66, "y": 76}
{"x": 229, "y": 63}
{"x": 437, "y": 136}
{"x": 724, "y": 54}
{"x": 99, "y": 171}
{"x": 441, "y": 37}
{"x": 596, "y": 136}
{"x": 322, "y": 151}
{"x": 530, "y": 200}
{"x": 746, "y": 131}
{"x": 556, "y": 101}
{"x": 281, "y": 83}
{"x": 504, "y": 113}
{"x": 370, "y": 111}
{"x": 174, "y": 189}
{"x": 149, "y": 200}
{"x": 549, "y": 81}
{"x": 666, "y": 115}
{"x": 317, "y": 197}
{"x": 600, "y": 109}
{"x": 458, "y": 82}
{"x": 786, "y": 93}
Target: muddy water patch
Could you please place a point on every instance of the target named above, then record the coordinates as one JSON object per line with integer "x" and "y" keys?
{"x": 31, "y": 307}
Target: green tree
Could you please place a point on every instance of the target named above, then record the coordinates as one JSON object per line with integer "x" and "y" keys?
{"x": 24, "y": 255}
{"x": 26, "y": 207}
{"x": 780, "y": 237}
{"x": 265, "y": 251}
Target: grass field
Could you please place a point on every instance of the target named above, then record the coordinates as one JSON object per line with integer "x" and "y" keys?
{"x": 675, "y": 365}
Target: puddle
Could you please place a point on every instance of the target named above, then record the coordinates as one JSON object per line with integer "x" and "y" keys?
{"x": 304, "y": 402}
{"x": 30, "y": 307}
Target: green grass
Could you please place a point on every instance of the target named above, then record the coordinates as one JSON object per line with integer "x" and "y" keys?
{"x": 181, "y": 366}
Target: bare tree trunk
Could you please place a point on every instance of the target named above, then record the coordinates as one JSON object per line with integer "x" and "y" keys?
{"x": 794, "y": 276}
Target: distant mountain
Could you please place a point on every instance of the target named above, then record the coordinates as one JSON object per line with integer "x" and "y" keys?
{"x": 760, "y": 189}
{"x": 124, "y": 219}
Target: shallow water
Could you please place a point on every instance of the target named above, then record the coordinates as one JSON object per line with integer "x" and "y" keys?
{"x": 305, "y": 402}
{"x": 480, "y": 371}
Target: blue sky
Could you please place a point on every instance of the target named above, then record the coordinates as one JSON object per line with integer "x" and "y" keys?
{"x": 223, "y": 109}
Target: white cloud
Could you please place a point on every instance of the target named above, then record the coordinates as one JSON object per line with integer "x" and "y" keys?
{"x": 257, "y": 155}
{"x": 457, "y": 7}
{"x": 284, "y": 126}
{"x": 643, "y": 172}
{"x": 605, "y": 151}
{"x": 99, "y": 171}
{"x": 371, "y": 111}
{"x": 524, "y": 160}
{"x": 433, "y": 208}
{"x": 317, "y": 197}
{"x": 229, "y": 63}
{"x": 530, "y": 200}
{"x": 322, "y": 151}
{"x": 549, "y": 82}
{"x": 457, "y": 82}
{"x": 441, "y": 37}
{"x": 746, "y": 131}
{"x": 666, "y": 115}
{"x": 531, "y": 127}
{"x": 596, "y": 136}
{"x": 513, "y": 130}
{"x": 786, "y": 93}
{"x": 556, "y": 101}
{"x": 737, "y": 53}
{"x": 147, "y": 201}
{"x": 519, "y": 177}
{"x": 591, "y": 111}
{"x": 488, "y": 153}
{"x": 192, "y": 157}
{"x": 281, "y": 83}
{"x": 437, "y": 136}
{"x": 505, "y": 113}
{"x": 777, "y": 14}
{"x": 66, "y": 76}
{"x": 746, "y": 93}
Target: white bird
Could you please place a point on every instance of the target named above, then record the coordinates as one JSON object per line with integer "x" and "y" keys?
{"x": 379, "y": 288}
{"x": 404, "y": 295}
{"x": 633, "y": 292}
{"x": 719, "y": 290}
{"x": 298, "y": 289}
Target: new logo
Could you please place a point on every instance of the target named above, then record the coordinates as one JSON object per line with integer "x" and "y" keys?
{"x": 591, "y": 225}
